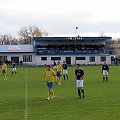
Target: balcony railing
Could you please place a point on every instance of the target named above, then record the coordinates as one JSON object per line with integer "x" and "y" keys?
{"x": 70, "y": 52}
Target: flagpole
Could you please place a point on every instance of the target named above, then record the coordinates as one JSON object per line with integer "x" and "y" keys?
{"x": 75, "y": 43}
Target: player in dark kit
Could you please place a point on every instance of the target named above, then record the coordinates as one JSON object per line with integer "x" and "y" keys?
{"x": 79, "y": 73}
{"x": 105, "y": 71}
{"x": 65, "y": 71}
{"x": 14, "y": 68}
{"x": 54, "y": 65}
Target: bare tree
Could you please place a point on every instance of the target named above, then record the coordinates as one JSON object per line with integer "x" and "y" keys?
{"x": 8, "y": 40}
{"x": 27, "y": 33}
{"x": 25, "y": 36}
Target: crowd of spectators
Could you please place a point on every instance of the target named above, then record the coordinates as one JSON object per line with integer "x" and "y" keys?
{"x": 72, "y": 48}
{"x": 38, "y": 46}
{"x": 63, "y": 47}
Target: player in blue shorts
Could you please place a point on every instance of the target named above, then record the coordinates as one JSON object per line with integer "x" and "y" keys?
{"x": 50, "y": 78}
{"x": 59, "y": 73}
{"x": 4, "y": 68}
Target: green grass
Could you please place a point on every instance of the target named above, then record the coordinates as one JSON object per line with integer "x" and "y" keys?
{"x": 102, "y": 101}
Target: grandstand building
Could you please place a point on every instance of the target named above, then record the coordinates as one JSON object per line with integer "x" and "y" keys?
{"x": 82, "y": 50}
{"x": 46, "y": 50}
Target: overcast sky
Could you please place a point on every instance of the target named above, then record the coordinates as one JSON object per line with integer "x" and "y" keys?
{"x": 60, "y": 17}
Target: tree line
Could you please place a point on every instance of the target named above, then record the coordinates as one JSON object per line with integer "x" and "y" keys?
{"x": 25, "y": 36}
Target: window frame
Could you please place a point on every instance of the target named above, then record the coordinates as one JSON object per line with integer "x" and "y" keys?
{"x": 103, "y": 58}
{"x": 55, "y": 58}
{"x": 43, "y": 59}
{"x": 91, "y": 59}
{"x": 3, "y": 58}
{"x": 80, "y": 58}
{"x": 25, "y": 59}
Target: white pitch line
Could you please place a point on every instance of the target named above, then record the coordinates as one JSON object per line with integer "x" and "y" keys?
{"x": 26, "y": 97}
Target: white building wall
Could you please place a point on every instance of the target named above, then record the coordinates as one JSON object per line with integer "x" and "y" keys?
{"x": 20, "y": 55}
{"x": 83, "y": 62}
{"x": 108, "y": 59}
{"x": 36, "y": 60}
{"x": 40, "y": 62}
{"x": 97, "y": 60}
{"x": 86, "y": 61}
{"x": 49, "y": 61}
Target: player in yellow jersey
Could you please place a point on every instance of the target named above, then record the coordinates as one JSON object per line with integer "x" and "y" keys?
{"x": 4, "y": 68}
{"x": 59, "y": 72}
{"x": 50, "y": 77}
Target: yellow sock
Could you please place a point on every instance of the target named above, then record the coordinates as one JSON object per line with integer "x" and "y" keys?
{"x": 5, "y": 77}
{"x": 59, "y": 80}
{"x": 49, "y": 94}
{"x": 55, "y": 79}
{"x": 53, "y": 93}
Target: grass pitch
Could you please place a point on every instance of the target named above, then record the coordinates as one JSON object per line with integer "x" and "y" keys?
{"x": 23, "y": 96}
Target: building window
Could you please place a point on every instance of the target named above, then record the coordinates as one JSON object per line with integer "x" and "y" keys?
{"x": 44, "y": 58}
{"x": 103, "y": 59}
{"x": 55, "y": 58}
{"x": 27, "y": 58}
{"x": 3, "y": 59}
{"x": 80, "y": 58}
{"x": 112, "y": 58}
{"x": 92, "y": 59}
